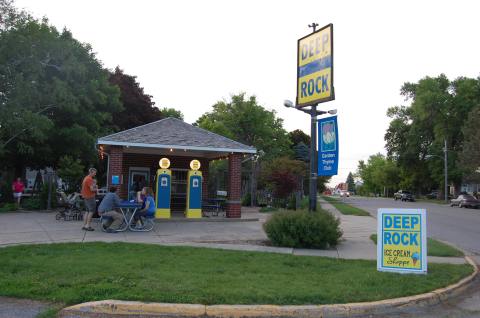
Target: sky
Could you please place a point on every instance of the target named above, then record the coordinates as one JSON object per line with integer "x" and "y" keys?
{"x": 190, "y": 54}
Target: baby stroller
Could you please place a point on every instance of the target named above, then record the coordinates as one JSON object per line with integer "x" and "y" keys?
{"x": 71, "y": 207}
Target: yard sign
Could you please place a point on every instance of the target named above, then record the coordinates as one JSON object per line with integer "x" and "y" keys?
{"x": 402, "y": 240}
{"x": 315, "y": 67}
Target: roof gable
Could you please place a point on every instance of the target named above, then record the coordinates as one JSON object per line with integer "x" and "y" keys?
{"x": 174, "y": 133}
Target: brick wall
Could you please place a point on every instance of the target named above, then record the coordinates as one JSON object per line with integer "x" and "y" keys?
{"x": 234, "y": 186}
{"x": 116, "y": 168}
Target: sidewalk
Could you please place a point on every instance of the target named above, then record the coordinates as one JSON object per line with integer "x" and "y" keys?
{"x": 41, "y": 228}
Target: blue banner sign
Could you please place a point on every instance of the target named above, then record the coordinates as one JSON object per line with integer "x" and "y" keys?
{"x": 327, "y": 146}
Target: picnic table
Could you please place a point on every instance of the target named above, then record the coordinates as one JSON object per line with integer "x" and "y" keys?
{"x": 213, "y": 206}
{"x": 128, "y": 210}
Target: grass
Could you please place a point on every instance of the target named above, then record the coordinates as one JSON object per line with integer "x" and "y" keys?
{"x": 266, "y": 209}
{"x": 434, "y": 248}
{"x": 345, "y": 208}
{"x": 72, "y": 273}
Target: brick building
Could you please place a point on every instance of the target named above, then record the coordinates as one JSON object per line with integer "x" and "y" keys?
{"x": 133, "y": 155}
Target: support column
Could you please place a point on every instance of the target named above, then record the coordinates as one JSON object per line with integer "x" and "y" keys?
{"x": 234, "y": 203}
{"x": 205, "y": 165}
{"x": 116, "y": 169}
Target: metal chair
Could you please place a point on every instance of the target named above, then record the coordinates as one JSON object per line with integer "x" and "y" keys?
{"x": 148, "y": 223}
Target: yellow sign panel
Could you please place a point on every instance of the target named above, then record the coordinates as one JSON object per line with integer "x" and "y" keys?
{"x": 164, "y": 163}
{"x": 402, "y": 240}
{"x": 195, "y": 164}
{"x": 315, "y": 68}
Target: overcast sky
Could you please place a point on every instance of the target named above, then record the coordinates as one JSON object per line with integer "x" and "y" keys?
{"x": 190, "y": 54}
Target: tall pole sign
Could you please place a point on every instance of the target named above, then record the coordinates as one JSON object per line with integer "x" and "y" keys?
{"x": 315, "y": 68}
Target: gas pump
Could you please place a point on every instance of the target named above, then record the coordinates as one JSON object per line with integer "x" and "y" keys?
{"x": 164, "y": 178}
{"x": 194, "y": 191}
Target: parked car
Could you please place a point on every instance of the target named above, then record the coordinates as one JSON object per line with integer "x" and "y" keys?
{"x": 344, "y": 193}
{"x": 404, "y": 195}
{"x": 433, "y": 195}
{"x": 465, "y": 201}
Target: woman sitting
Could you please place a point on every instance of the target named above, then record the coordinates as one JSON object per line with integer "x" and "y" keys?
{"x": 148, "y": 208}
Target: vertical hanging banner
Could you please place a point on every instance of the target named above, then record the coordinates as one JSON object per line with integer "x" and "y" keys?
{"x": 328, "y": 146}
{"x": 402, "y": 240}
{"x": 315, "y": 68}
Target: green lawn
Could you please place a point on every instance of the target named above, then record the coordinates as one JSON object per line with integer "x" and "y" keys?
{"x": 434, "y": 248}
{"x": 345, "y": 208}
{"x": 71, "y": 273}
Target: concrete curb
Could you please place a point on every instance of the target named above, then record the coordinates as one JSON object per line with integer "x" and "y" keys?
{"x": 116, "y": 308}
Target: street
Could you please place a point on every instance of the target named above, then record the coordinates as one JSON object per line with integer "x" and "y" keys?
{"x": 458, "y": 226}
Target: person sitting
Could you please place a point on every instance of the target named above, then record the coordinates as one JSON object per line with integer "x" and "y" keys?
{"x": 148, "y": 208}
{"x": 106, "y": 209}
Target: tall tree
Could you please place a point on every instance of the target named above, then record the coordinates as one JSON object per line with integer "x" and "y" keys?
{"x": 415, "y": 137}
{"x": 350, "y": 182}
{"x": 470, "y": 155}
{"x": 55, "y": 97}
{"x": 244, "y": 120}
{"x": 138, "y": 107}
{"x": 172, "y": 112}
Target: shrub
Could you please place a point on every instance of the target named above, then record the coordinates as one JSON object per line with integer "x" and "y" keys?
{"x": 268, "y": 209}
{"x": 33, "y": 203}
{"x": 247, "y": 199}
{"x": 7, "y": 207}
{"x": 303, "y": 229}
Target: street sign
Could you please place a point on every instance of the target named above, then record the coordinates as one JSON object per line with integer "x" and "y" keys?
{"x": 315, "y": 68}
{"x": 402, "y": 240}
{"x": 328, "y": 146}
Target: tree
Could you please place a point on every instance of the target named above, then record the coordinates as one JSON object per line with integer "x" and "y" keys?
{"x": 350, "y": 182}
{"x": 55, "y": 97}
{"x": 470, "y": 155}
{"x": 298, "y": 136}
{"x": 71, "y": 171}
{"x": 138, "y": 107}
{"x": 244, "y": 120}
{"x": 171, "y": 112}
{"x": 379, "y": 175}
{"x": 284, "y": 176}
{"x": 437, "y": 112}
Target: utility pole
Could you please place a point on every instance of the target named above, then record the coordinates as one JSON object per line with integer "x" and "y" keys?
{"x": 445, "y": 161}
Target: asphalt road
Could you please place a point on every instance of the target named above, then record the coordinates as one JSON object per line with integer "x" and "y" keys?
{"x": 459, "y": 226}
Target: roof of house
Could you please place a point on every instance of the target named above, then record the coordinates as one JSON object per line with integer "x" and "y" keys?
{"x": 173, "y": 133}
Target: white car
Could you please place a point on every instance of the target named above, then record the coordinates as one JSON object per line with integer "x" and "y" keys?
{"x": 345, "y": 194}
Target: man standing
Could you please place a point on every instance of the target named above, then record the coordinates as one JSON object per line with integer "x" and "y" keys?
{"x": 106, "y": 209}
{"x": 89, "y": 190}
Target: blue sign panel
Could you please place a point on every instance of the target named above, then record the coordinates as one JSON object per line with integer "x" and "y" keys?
{"x": 327, "y": 146}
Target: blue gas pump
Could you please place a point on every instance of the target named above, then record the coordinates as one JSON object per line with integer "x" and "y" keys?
{"x": 164, "y": 188}
{"x": 194, "y": 191}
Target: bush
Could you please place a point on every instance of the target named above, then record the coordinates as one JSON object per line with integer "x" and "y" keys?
{"x": 32, "y": 203}
{"x": 268, "y": 209}
{"x": 6, "y": 192}
{"x": 247, "y": 199}
{"x": 7, "y": 207}
{"x": 304, "y": 203}
{"x": 303, "y": 229}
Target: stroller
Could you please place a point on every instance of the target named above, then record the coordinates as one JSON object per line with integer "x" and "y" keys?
{"x": 71, "y": 205}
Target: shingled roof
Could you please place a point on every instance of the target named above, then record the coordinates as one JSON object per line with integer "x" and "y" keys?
{"x": 173, "y": 133}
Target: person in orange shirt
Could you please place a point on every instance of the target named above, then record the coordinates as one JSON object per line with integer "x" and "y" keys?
{"x": 89, "y": 190}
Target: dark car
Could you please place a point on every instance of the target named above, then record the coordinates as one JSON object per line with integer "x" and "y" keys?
{"x": 465, "y": 201}
{"x": 403, "y": 196}
{"x": 433, "y": 195}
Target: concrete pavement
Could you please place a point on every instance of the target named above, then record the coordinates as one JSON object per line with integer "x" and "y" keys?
{"x": 245, "y": 235}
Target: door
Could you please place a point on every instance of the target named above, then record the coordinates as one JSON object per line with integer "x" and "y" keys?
{"x": 138, "y": 178}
